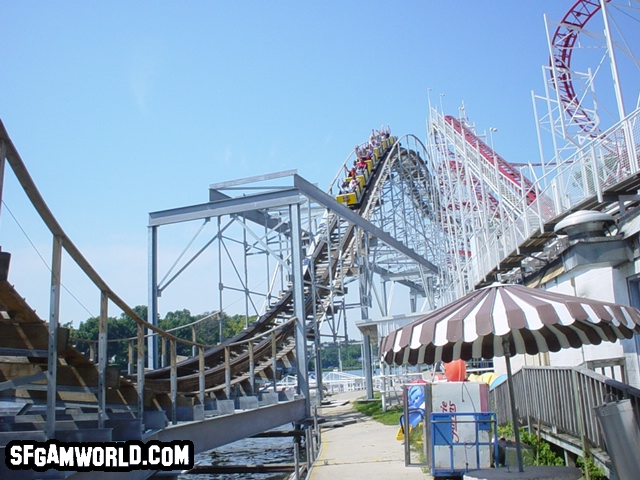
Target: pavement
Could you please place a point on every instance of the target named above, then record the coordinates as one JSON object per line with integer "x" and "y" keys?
{"x": 356, "y": 447}
{"x": 528, "y": 473}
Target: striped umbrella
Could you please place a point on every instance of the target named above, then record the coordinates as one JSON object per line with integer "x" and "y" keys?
{"x": 502, "y": 320}
{"x": 530, "y": 320}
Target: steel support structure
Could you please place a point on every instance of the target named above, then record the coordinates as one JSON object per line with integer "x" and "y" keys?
{"x": 587, "y": 143}
{"x": 259, "y": 233}
{"x": 314, "y": 246}
{"x": 582, "y": 98}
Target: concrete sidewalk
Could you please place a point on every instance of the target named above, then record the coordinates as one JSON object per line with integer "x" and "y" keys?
{"x": 361, "y": 449}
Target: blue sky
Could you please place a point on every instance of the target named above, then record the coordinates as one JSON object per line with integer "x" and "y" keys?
{"x": 123, "y": 108}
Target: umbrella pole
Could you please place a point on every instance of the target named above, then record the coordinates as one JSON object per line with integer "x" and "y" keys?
{"x": 512, "y": 399}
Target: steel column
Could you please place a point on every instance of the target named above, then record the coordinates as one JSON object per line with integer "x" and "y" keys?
{"x": 174, "y": 381}
{"x": 54, "y": 315}
{"x": 102, "y": 357}
{"x": 140, "y": 374}
{"x": 363, "y": 260}
{"x": 274, "y": 361}
{"x": 152, "y": 310}
{"x": 298, "y": 305}
{"x": 227, "y": 372}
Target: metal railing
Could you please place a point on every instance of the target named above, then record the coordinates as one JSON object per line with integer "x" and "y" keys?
{"x": 61, "y": 241}
{"x": 607, "y": 160}
{"x": 562, "y": 399}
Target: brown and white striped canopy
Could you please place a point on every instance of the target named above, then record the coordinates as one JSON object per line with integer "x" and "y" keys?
{"x": 532, "y": 320}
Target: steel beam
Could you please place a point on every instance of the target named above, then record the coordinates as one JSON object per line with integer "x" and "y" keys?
{"x": 18, "y": 382}
{"x": 214, "y": 432}
{"x": 231, "y": 206}
{"x": 256, "y": 216}
{"x": 255, "y": 179}
{"x": 313, "y": 192}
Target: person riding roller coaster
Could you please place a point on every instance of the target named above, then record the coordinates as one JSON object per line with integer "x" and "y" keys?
{"x": 359, "y": 175}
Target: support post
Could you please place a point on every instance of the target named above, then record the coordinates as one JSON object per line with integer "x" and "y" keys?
{"x": 201, "y": 371}
{"x": 252, "y": 369}
{"x": 3, "y": 153}
{"x": 140, "y": 375}
{"x": 274, "y": 361}
{"x": 299, "y": 307}
{"x": 152, "y": 309}
{"x": 130, "y": 368}
{"x": 316, "y": 336}
{"x": 52, "y": 355}
{"x": 102, "y": 358}
{"x": 577, "y": 395}
{"x": 365, "y": 296}
{"x": 174, "y": 381}
{"x": 227, "y": 372}
{"x": 220, "y": 283}
{"x": 512, "y": 401}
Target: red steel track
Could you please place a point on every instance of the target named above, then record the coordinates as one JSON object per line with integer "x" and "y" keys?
{"x": 507, "y": 170}
{"x": 562, "y": 44}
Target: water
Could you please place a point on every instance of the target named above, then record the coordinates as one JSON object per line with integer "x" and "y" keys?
{"x": 250, "y": 451}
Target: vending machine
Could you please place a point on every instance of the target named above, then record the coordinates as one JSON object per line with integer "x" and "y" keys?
{"x": 460, "y": 427}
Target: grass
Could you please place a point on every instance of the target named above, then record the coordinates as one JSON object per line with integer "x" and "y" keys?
{"x": 373, "y": 409}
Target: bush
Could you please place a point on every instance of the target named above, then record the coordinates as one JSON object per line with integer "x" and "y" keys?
{"x": 542, "y": 453}
{"x": 587, "y": 464}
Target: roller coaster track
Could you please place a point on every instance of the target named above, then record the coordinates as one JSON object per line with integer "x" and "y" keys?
{"x": 231, "y": 367}
{"x": 507, "y": 172}
{"x": 496, "y": 183}
{"x": 563, "y": 45}
{"x": 331, "y": 259}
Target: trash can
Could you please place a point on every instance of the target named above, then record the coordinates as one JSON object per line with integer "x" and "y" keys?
{"x": 622, "y": 437}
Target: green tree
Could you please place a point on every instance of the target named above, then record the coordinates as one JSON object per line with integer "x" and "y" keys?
{"x": 331, "y": 355}
{"x": 121, "y": 327}
{"x": 124, "y": 327}
{"x": 176, "y": 319}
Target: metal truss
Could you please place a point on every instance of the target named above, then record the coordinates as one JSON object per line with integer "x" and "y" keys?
{"x": 590, "y": 50}
{"x": 393, "y": 237}
{"x": 485, "y": 220}
{"x": 479, "y": 194}
{"x": 489, "y": 209}
{"x": 406, "y": 204}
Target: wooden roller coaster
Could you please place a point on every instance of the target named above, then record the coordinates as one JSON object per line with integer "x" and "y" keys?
{"x": 230, "y": 368}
